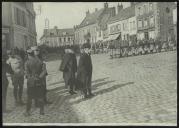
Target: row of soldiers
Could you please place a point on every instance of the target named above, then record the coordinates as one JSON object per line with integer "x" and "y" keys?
{"x": 77, "y": 78}
{"x": 128, "y": 48}
{"x": 34, "y": 69}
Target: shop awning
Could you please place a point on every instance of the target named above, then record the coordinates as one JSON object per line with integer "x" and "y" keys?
{"x": 113, "y": 37}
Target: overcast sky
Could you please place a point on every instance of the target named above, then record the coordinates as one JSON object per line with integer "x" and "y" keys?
{"x": 66, "y": 14}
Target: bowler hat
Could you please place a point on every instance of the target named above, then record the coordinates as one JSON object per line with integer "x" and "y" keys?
{"x": 86, "y": 45}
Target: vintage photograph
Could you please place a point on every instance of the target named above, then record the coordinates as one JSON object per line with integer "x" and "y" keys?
{"x": 89, "y": 63}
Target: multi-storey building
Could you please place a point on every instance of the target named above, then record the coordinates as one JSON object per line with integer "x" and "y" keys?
{"x": 94, "y": 24}
{"x": 154, "y": 20}
{"x": 175, "y": 21}
{"x": 123, "y": 25}
{"x": 57, "y": 37}
{"x": 18, "y": 25}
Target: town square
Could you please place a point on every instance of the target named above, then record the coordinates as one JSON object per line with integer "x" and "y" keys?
{"x": 115, "y": 65}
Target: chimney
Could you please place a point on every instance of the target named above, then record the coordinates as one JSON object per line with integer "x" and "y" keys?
{"x": 119, "y": 7}
{"x": 96, "y": 9}
{"x": 87, "y": 13}
{"x": 106, "y": 5}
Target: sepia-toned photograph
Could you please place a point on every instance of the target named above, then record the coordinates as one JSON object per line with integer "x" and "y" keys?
{"x": 89, "y": 63}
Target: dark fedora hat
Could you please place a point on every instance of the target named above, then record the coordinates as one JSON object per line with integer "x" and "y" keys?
{"x": 86, "y": 45}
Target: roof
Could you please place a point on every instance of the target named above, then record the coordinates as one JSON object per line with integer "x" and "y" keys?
{"x": 105, "y": 18}
{"x": 91, "y": 18}
{"x": 123, "y": 14}
{"x": 58, "y": 32}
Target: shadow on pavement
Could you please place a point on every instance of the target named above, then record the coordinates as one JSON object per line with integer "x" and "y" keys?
{"x": 99, "y": 80}
{"x": 95, "y": 86}
{"x": 112, "y": 88}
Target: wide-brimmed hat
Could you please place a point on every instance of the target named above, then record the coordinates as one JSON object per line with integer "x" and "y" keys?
{"x": 29, "y": 51}
{"x": 34, "y": 48}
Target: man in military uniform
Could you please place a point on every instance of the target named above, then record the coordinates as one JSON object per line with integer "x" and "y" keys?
{"x": 69, "y": 68}
{"x": 6, "y": 68}
{"x": 38, "y": 55}
{"x": 35, "y": 89}
{"x": 84, "y": 71}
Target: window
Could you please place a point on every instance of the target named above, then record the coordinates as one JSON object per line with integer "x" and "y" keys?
{"x": 151, "y": 34}
{"x": 150, "y": 6}
{"x": 145, "y": 8}
{"x": 24, "y": 19}
{"x": 118, "y": 27}
{"x": 134, "y": 25}
{"x": 152, "y": 21}
{"x": 139, "y": 10}
{"x": 123, "y": 26}
{"x": 139, "y": 23}
{"x": 64, "y": 39}
{"x": 68, "y": 39}
{"x": 131, "y": 26}
{"x": 19, "y": 17}
{"x": 51, "y": 34}
{"x": 145, "y": 23}
{"x": 60, "y": 40}
{"x": 167, "y": 10}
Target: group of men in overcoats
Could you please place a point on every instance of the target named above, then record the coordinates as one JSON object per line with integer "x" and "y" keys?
{"x": 77, "y": 78}
{"x": 34, "y": 69}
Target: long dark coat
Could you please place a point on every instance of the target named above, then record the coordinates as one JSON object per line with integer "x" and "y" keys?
{"x": 84, "y": 71}
{"x": 69, "y": 68}
{"x": 34, "y": 73}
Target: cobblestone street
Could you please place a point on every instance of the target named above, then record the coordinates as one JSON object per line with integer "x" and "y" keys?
{"x": 139, "y": 89}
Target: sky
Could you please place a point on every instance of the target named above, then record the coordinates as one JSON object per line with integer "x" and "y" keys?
{"x": 65, "y": 14}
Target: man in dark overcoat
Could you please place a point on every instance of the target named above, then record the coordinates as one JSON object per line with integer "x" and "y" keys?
{"x": 35, "y": 90}
{"x": 84, "y": 71}
{"x": 69, "y": 68}
{"x": 38, "y": 55}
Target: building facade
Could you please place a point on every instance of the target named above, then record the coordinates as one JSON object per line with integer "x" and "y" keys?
{"x": 18, "y": 25}
{"x": 123, "y": 25}
{"x": 94, "y": 24}
{"x": 57, "y": 37}
{"x": 154, "y": 20}
{"x": 175, "y": 21}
